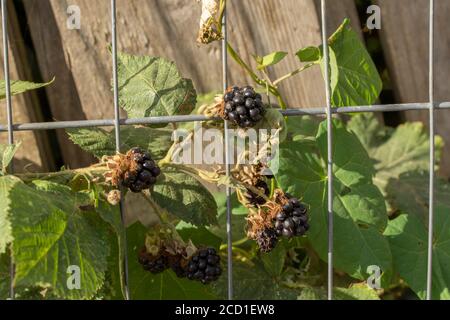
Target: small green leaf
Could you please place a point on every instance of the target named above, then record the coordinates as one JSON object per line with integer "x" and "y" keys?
{"x": 355, "y": 292}
{"x": 4, "y": 276}
{"x": 354, "y": 77}
{"x": 407, "y": 235}
{"x": 18, "y": 86}
{"x": 164, "y": 286}
{"x": 7, "y": 153}
{"x": 271, "y": 59}
{"x": 185, "y": 197}
{"x": 153, "y": 86}
{"x": 309, "y": 54}
{"x": 100, "y": 142}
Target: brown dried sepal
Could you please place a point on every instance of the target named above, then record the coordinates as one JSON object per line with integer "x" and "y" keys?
{"x": 214, "y": 109}
{"x": 263, "y": 217}
{"x": 120, "y": 166}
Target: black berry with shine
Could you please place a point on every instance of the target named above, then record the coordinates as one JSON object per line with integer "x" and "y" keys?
{"x": 243, "y": 106}
{"x": 293, "y": 219}
{"x": 144, "y": 177}
{"x": 204, "y": 266}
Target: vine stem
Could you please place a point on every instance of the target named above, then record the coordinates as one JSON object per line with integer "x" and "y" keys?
{"x": 293, "y": 73}
{"x": 97, "y": 169}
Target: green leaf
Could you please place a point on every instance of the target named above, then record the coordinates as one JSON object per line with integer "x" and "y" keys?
{"x": 254, "y": 283}
{"x": 301, "y": 128}
{"x": 200, "y": 236}
{"x": 358, "y": 206}
{"x": 18, "y": 86}
{"x": 100, "y": 142}
{"x": 271, "y": 59}
{"x": 163, "y": 286}
{"x": 185, "y": 197}
{"x": 6, "y": 185}
{"x": 409, "y": 193}
{"x": 354, "y": 77}
{"x": 4, "y": 276}
{"x": 407, "y": 236}
{"x": 153, "y": 86}
{"x": 7, "y": 153}
{"x": 355, "y": 292}
{"x": 51, "y": 233}
{"x": 274, "y": 260}
{"x": 309, "y": 54}
{"x": 394, "y": 151}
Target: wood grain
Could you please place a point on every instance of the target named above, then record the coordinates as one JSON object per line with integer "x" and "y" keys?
{"x": 404, "y": 37}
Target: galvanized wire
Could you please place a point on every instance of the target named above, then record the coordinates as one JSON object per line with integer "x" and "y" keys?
{"x": 329, "y": 148}
{"x": 9, "y": 116}
{"x": 227, "y": 162}
{"x": 124, "y": 277}
{"x": 34, "y": 126}
{"x": 432, "y": 154}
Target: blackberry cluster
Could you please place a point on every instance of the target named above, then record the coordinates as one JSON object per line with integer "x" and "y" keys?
{"x": 145, "y": 173}
{"x": 256, "y": 199}
{"x": 267, "y": 239}
{"x": 204, "y": 266}
{"x": 153, "y": 264}
{"x": 243, "y": 106}
{"x": 293, "y": 219}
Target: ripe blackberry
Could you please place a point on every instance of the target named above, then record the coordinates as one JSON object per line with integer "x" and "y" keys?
{"x": 243, "y": 106}
{"x": 293, "y": 219}
{"x": 267, "y": 239}
{"x": 143, "y": 173}
{"x": 154, "y": 264}
{"x": 254, "y": 198}
{"x": 204, "y": 266}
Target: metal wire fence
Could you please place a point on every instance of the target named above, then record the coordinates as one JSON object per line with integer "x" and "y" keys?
{"x": 10, "y": 128}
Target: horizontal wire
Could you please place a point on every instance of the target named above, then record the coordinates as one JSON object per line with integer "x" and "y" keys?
{"x": 191, "y": 118}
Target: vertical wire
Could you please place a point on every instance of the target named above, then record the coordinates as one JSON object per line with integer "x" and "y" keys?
{"x": 432, "y": 154}
{"x": 9, "y": 117}
{"x": 330, "y": 150}
{"x": 117, "y": 135}
{"x": 227, "y": 160}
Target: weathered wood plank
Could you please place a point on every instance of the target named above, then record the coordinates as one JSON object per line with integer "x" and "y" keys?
{"x": 404, "y": 37}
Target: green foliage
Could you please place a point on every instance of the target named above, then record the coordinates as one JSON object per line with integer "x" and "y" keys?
{"x": 359, "y": 212}
{"x": 354, "y": 77}
{"x": 152, "y": 86}
{"x": 308, "y": 54}
{"x": 394, "y": 151}
{"x": 185, "y": 197}
{"x": 100, "y": 142}
{"x": 18, "y": 86}
{"x": 7, "y": 153}
{"x": 51, "y": 233}
{"x": 408, "y": 238}
{"x": 253, "y": 282}
{"x": 270, "y": 59}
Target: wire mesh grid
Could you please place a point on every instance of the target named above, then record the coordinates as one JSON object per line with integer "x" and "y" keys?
{"x": 431, "y": 106}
